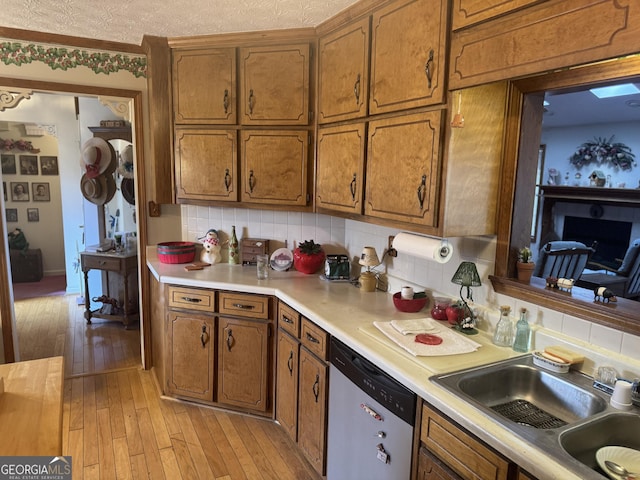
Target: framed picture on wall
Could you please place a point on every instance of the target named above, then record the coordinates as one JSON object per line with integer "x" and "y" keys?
{"x": 33, "y": 215}
{"x": 20, "y": 191}
{"x": 12, "y": 214}
{"x": 48, "y": 165}
{"x": 40, "y": 192}
{"x": 28, "y": 164}
{"x": 8, "y": 164}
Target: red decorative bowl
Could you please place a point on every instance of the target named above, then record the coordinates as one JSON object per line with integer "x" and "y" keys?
{"x": 176, "y": 252}
{"x": 409, "y": 306}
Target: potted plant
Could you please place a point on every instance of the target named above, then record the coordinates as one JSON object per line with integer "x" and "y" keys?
{"x": 308, "y": 257}
{"x": 525, "y": 264}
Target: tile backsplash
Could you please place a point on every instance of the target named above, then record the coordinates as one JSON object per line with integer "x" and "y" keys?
{"x": 338, "y": 235}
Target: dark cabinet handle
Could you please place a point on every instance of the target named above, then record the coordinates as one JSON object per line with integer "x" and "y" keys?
{"x": 227, "y": 179}
{"x": 251, "y": 101}
{"x": 422, "y": 191}
{"x": 230, "y": 339}
{"x": 356, "y": 90}
{"x": 290, "y": 363}
{"x": 352, "y": 187}
{"x": 192, "y": 300}
{"x": 312, "y": 339}
{"x": 243, "y": 306}
{"x": 316, "y": 387}
{"x": 428, "y": 68}
{"x": 204, "y": 336}
{"x": 252, "y": 181}
{"x": 225, "y": 101}
{"x": 287, "y": 320}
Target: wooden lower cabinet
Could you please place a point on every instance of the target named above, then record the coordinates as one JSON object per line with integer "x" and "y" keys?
{"x": 287, "y": 383}
{"x": 469, "y": 458}
{"x": 243, "y": 363}
{"x": 191, "y": 355}
{"x": 430, "y": 468}
{"x": 302, "y": 384}
{"x": 312, "y": 409}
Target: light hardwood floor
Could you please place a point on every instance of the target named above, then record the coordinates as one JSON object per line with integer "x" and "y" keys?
{"x": 117, "y": 426}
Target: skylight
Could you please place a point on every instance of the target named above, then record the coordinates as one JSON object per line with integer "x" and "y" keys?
{"x": 615, "y": 90}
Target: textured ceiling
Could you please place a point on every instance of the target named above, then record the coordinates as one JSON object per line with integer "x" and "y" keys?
{"x": 128, "y": 20}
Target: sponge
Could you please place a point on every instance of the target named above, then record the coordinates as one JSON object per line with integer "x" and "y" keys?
{"x": 564, "y": 354}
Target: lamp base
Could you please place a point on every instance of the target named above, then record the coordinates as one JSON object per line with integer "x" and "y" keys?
{"x": 367, "y": 282}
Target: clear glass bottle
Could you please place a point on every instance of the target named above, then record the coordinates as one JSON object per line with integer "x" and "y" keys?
{"x": 234, "y": 257}
{"x": 523, "y": 332}
{"x": 503, "y": 336}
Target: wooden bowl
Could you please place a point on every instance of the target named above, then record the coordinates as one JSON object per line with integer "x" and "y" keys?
{"x": 409, "y": 306}
{"x": 176, "y": 252}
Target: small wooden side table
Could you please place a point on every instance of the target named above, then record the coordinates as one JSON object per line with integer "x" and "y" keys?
{"x": 123, "y": 264}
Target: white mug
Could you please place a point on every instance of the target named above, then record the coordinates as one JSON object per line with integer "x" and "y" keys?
{"x": 406, "y": 293}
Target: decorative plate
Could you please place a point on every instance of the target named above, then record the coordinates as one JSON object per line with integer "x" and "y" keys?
{"x": 627, "y": 457}
{"x": 281, "y": 259}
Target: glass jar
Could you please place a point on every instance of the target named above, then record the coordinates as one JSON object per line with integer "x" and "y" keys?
{"x": 503, "y": 336}
{"x": 523, "y": 333}
{"x": 439, "y": 310}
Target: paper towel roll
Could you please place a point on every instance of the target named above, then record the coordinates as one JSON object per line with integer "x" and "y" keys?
{"x": 438, "y": 250}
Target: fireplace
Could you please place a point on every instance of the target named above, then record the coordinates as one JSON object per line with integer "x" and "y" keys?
{"x": 612, "y": 236}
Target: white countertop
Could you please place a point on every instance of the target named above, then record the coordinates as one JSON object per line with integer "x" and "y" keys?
{"x": 348, "y": 314}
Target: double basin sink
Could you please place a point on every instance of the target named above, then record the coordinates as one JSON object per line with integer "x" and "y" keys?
{"x": 561, "y": 413}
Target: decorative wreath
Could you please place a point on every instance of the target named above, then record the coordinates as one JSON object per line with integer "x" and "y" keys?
{"x": 602, "y": 150}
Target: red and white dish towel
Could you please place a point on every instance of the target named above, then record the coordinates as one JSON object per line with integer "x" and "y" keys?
{"x": 453, "y": 343}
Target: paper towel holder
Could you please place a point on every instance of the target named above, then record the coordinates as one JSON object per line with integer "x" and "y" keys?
{"x": 392, "y": 252}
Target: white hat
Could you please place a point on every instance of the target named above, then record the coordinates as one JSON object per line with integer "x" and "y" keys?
{"x": 126, "y": 162}
{"x": 96, "y": 157}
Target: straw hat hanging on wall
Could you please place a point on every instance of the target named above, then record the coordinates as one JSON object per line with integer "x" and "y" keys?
{"x": 97, "y": 157}
{"x": 98, "y": 190}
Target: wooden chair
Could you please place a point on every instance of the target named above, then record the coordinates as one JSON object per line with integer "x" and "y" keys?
{"x": 624, "y": 281}
{"x": 563, "y": 259}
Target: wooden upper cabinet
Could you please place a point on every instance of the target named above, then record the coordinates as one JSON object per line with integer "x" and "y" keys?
{"x": 469, "y": 12}
{"x": 408, "y": 47}
{"x": 546, "y": 36}
{"x": 206, "y": 164}
{"x": 274, "y": 166}
{"x": 402, "y": 175}
{"x": 204, "y": 86}
{"x": 274, "y": 85}
{"x": 343, "y": 80}
{"x": 340, "y": 168}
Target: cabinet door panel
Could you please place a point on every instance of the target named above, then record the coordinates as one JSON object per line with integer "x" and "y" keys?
{"x": 343, "y": 82}
{"x": 340, "y": 172}
{"x": 468, "y": 12}
{"x": 312, "y": 409}
{"x": 287, "y": 383}
{"x": 243, "y": 363}
{"x": 403, "y": 168}
{"x": 205, "y": 164}
{"x": 408, "y": 55}
{"x": 274, "y": 166}
{"x": 191, "y": 355}
{"x": 274, "y": 85}
{"x": 204, "y": 86}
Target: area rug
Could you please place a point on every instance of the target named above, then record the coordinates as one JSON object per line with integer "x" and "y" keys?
{"x": 49, "y": 285}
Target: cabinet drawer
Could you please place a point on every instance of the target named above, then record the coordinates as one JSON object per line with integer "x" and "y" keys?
{"x": 288, "y": 319}
{"x": 315, "y": 339}
{"x": 100, "y": 263}
{"x": 468, "y": 457}
{"x": 191, "y": 298}
{"x": 244, "y": 305}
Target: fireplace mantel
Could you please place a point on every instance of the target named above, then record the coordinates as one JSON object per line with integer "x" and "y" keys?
{"x": 610, "y": 196}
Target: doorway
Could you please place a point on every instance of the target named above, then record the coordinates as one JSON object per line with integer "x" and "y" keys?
{"x": 78, "y": 239}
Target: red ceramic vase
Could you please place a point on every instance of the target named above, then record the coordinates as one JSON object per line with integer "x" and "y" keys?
{"x": 305, "y": 263}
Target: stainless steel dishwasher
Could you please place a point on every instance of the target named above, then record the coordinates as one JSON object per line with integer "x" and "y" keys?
{"x": 371, "y": 420}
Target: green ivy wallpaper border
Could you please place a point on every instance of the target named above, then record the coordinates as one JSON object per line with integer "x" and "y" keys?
{"x": 60, "y": 58}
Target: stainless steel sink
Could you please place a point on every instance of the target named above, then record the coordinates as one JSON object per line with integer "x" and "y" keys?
{"x": 582, "y": 441}
{"x": 560, "y": 413}
{"x": 528, "y": 395}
